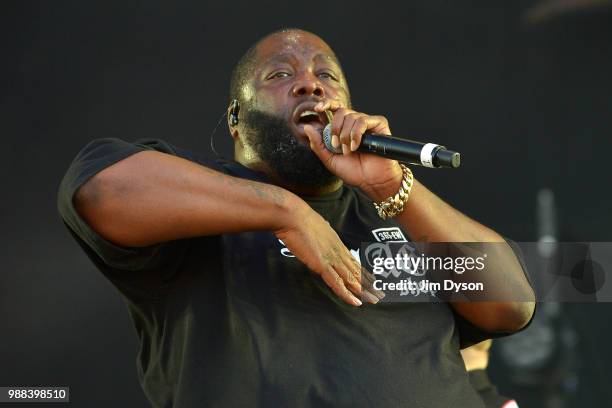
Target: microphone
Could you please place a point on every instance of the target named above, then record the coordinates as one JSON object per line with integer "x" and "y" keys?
{"x": 406, "y": 151}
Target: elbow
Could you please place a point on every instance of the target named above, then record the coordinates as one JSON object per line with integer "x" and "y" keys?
{"x": 517, "y": 314}
{"x": 497, "y": 317}
{"x": 97, "y": 203}
{"x": 88, "y": 198}
{"x": 513, "y": 316}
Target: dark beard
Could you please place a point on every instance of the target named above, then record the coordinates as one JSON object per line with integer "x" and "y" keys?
{"x": 293, "y": 162}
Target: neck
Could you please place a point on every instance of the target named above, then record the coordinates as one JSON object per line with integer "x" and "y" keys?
{"x": 306, "y": 191}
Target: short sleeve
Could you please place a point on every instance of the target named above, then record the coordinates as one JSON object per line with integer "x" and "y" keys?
{"x": 469, "y": 334}
{"x": 93, "y": 158}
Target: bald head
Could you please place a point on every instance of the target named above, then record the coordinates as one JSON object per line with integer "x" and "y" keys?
{"x": 267, "y": 46}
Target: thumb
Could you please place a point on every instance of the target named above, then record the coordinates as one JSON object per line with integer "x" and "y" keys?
{"x": 317, "y": 145}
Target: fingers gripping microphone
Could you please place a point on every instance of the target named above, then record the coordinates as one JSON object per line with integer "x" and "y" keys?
{"x": 406, "y": 151}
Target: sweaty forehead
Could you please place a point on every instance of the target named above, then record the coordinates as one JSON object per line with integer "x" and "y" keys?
{"x": 293, "y": 43}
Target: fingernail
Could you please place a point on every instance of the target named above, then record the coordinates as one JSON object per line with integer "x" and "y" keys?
{"x": 370, "y": 297}
{"x": 357, "y": 302}
{"x": 345, "y": 149}
{"x": 335, "y": 141}
{"x": 353, "y": 146}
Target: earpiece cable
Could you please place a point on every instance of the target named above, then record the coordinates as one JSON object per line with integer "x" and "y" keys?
{"x": 212, "y": 136}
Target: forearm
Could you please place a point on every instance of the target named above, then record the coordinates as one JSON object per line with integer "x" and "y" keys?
{"x": 152, "y": 197}
{"x": 426, "y": 217}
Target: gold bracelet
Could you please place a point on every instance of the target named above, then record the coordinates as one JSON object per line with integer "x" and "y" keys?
{"x": 394, "y": 205}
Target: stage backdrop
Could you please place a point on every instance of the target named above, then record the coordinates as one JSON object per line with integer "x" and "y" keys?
{"x": 526, "y": 102}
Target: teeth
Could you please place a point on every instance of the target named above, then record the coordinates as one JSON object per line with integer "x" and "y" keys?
{"x": 308, "y": 112}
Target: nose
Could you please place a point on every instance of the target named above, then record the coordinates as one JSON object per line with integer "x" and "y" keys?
{"x": 307, "y": 85}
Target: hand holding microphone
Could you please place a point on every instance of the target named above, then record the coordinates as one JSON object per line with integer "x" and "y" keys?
{"x": 403, "y": 150}
{"x": 370, "y": 159}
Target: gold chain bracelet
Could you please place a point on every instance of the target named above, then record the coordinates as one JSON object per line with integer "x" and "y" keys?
{"x": 394, "y": 205}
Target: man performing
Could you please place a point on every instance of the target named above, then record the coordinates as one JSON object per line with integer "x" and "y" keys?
{"x": 240, "y": 277}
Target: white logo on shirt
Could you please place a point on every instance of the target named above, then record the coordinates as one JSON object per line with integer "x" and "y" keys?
{"x": 392, "y": 234}
{"x": 286, "y": 252}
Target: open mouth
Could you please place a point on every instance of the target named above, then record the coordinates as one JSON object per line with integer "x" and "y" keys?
{"x": 305, "y": 115}
{"x": 309, "y": 116}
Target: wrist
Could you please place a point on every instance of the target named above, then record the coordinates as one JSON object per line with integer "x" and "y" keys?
{"x": 394, "y": 204}
{"x": 290, "y": 213}
{"x": 381, "y": 190}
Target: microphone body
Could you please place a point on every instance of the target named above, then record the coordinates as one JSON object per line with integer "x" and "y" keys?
{"x": 406, "y": 151}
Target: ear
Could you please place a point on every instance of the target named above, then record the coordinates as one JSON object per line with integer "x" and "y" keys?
{"x": 233, "y": 129}
{"x": 232, "y": 117}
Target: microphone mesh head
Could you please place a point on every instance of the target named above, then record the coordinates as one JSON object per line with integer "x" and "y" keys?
{"x": 327, "y": 140}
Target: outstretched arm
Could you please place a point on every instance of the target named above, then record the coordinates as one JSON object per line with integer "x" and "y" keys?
{"x": 152, "y": 197}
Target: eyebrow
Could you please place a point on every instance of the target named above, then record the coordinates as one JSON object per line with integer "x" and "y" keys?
{"x": 327, "y": 57}
{"x": 278, "y": 58}
{"x": 286, "y": 57}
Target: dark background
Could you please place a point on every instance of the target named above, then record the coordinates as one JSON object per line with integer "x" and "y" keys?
{"x": 524, "y": 97}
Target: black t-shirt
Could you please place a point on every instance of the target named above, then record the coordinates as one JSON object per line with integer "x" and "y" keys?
{"x": 235, "y": 320}
{"x": 488, "y": 392}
